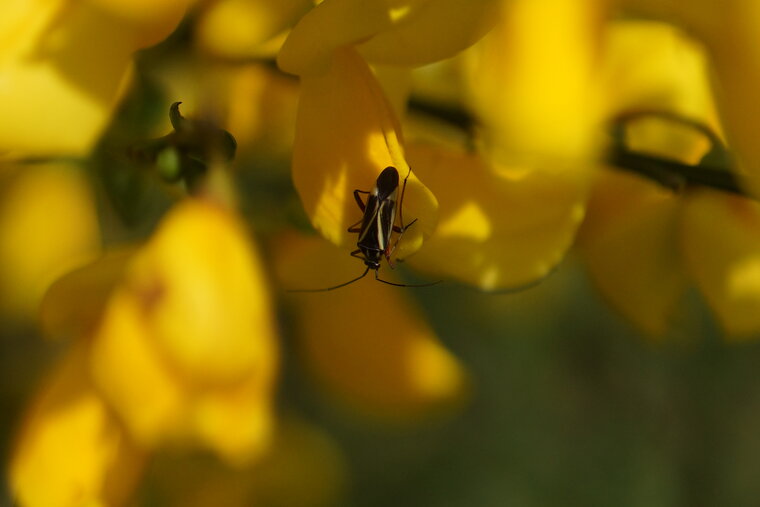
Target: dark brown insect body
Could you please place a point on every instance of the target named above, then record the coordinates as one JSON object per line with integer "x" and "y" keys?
{"x": 377, "y": 226}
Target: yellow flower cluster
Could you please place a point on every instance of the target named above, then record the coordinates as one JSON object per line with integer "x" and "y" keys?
{"x": 172, "y": 342}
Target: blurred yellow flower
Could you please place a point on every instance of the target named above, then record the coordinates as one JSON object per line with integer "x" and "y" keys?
{"x": 365, "y": 343}
{"x": 533, "y": 83}
{"x": 675, "y": 237}
{"x": 199, "y": 332}
{"x": 64, "y": 66}
{"x": 173, "y": 342}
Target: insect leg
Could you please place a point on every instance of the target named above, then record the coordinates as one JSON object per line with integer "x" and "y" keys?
{"x": 358, "y": 254}
{"x": 354, "y": 227}
{"x": 359, "y": 201}
{"x": 400, "y": 231}
{"x": 401, "y": 202}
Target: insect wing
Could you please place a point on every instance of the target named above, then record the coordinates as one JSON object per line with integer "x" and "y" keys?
{"x": 368, "y": 231}
{"x": 385, "y": 217}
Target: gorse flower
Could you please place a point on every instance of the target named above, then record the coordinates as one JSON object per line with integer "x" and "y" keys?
{"x": 169, "y": 358}
{"x": 164, "y": 259}
{"x": 59, "y": 88}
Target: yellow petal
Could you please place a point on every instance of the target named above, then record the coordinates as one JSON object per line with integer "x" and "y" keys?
{"x": 137, "y": 382}
{"x": 495, "y": 231}
{"x": 57, "y": 88}
{"x": 346, "y": 134}
{"x": 212, "y": 320}
{"x": 71, "y": 451}
{"x": 238, "y": 28}
{"x": 237, "y": 421}
{"x": 665, "y": 138}
{"x": 395, "y": 370}
{"x": 722, "y": 251}
{"x": 533, "y": 83}
{"x": 48, "y": 226}
{"x": 437, "y": 30}
{"x": 652, "y": 66}
{"x": 74, "y": 304}
{"x": 629, "y": 241}
{"x": 331, "y": 25}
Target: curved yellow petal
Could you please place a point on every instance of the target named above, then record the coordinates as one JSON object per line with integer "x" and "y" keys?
{"x": 395, "y": 369}
{"x": 346, "y": 134}
{"x": 185, "y": 349}
{"x": 653, "y": 66}
{"x": 533, "y": 83}
{"x": 494, "y": 231}
{"x": 331, "y": 25}
{"x": 721, "y": 246}
{"x": 48, "y": 226}
{"x": 137, "y": 381}
{"x": 212, "y": 320}
{"x": 71, "y": 450}
{"x": 629, "y": 242}
{"x": 437, "y": 30}
{"x": 239, "y": 28}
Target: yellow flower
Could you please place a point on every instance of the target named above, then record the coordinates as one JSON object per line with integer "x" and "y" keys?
{"x": 64, "y": 66}
{"x": 702, "y": 237}
{"x": 336, "y": 129}
{"x": 183, "y": 347}
{"x": 200, "y": 333}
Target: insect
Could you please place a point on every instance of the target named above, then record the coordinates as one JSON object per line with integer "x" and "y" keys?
{"x": 377, "y": 226}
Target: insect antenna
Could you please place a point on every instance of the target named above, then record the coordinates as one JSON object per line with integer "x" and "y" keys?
{"x": 336, "y": 286}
